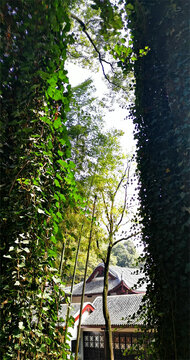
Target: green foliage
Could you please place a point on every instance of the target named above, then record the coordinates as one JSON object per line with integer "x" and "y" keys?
{"x": 38, "y": 182}
{"x": 85, "y": 128}
{"x": 125, "y": 254}
{"x": 96, "y": 153}
{"x": 37, "y": 177}
{"x": 103, "y": 42}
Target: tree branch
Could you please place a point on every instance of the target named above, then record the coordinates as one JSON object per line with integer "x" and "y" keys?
{"x": 105, "y": 207}
{"x": 119, "y": 184}
{"x": 14, "y": 181}
{"x": 101, "y": 60}
{"x": 125, "y": 197}
{"x": 125, "y": 238}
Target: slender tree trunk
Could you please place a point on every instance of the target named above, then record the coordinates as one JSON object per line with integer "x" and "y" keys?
{"x": 109, "y": 354}
{"x": 72, "y": 284}
{"x": 75, "y": 266}
{"x": 62, "y": 259}
{"x": 84, "y": 281}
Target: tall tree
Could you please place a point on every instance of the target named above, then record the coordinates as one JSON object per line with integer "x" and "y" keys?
{"x": 163, "y": 133}
{"x": 113, "y": 215}
{"x": 36, "y": 174}
{"x": 94, "y": 151}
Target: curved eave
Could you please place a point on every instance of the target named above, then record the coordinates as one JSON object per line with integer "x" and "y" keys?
{"x": 114, "y": 326}
{"x": 122, "y": 285}
{"x": 88, "y": 307}
{"x": 100, "y": 269}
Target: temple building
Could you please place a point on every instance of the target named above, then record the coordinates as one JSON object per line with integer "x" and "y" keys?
{"x": 125, "y": 295}
{"x": 122, "y": 281}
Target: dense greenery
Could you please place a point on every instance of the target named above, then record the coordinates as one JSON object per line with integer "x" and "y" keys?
{"x": 125, "y": 254}
{"x": 40, "y": 201}
{"x": 163, "y": 133}
{"x": 96, "y": 153}
{"x": 37, "y": 177}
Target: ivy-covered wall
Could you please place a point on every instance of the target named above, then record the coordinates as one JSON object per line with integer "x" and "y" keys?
{"x": 163, "y": 133}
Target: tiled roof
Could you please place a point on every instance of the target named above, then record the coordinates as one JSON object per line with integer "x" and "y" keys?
{"x": 67, "y": 289}
{"x": 95, "y": 286}
{"x": 74, "y": 310}
{"x": 130, "y": 276}
{"x": 121, "y": 308}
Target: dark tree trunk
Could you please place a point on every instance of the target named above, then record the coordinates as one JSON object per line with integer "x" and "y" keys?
{"x": 163, "y": 133}
{"x": 109, "y": 354}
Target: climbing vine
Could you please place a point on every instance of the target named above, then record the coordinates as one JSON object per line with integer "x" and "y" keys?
{"x": 163, "y": 134}
{"x": 37, "y": 177}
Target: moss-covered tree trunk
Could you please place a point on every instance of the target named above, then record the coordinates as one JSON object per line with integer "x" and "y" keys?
{"x": 163, "y": 133}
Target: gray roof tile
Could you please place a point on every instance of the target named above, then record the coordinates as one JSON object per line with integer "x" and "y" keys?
{"x": 95, "y": 286}
{"x": 121, "y": 308}
{"x": 73, "y": 311}
{"x": 130, "y": 276}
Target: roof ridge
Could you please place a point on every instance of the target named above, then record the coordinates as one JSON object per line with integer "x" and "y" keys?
{"x": 119, "y": 296}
